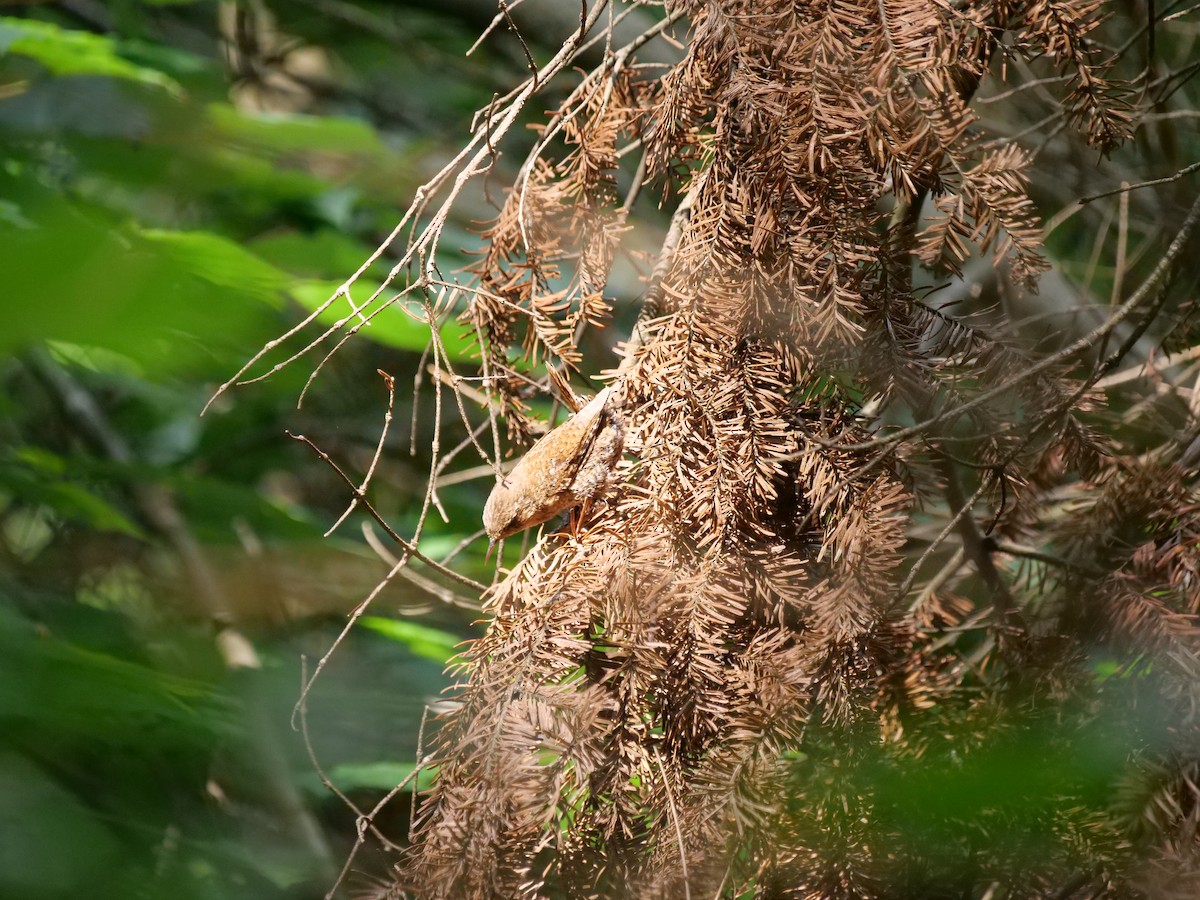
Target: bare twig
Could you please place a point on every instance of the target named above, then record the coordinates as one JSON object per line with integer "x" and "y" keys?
{"x": 1125, "y": 187}
{"x": 390, "y": 383}
{"x": 447, "y": 596}
{"x": 410, "y": 549}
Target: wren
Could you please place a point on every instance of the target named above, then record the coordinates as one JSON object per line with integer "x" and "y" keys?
{"x": 567, "y": 466}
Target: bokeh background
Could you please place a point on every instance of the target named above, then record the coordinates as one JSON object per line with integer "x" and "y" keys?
{"x": 179, "y": 183}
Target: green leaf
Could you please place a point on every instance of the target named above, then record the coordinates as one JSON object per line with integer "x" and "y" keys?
{"x": 76, "y": 502}
{"x": 40, "y": 819}
{"x": 220, "y": 261}
{"x": 379, "y": 776}
{"x": 212, "y": 506}
{"x": 392, "y": 327}
{"x": 292, "y": 133}
{"x": 95, "y": 359}
{"x": 421, "y": 640}
{"x": 47, "y": 684}
{"x": 174, "y": 61}
{"x": 323, "y": 254}
{"x": 168, "y": 300}
{"x": 36, "y": 475}
{"x": 67, "y": 52}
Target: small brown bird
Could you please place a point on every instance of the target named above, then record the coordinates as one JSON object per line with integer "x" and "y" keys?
{"x": 567, "y": 466}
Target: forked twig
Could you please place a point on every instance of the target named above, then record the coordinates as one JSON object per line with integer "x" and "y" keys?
{"x": 447, "y": 596}
{"x": 390, "y": 383}
{"x": 410, "y": 549}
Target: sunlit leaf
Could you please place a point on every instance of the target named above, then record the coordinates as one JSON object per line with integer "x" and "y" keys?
{"x": 219, "y": 260}
{"x": 322, "y": 254}
{"x": 430, "y": 643}
{"x": 291, "y": 133}
{"x": 147, "y": 294}
{"x": 68, "y": 52}
{"x": 393, "y": 326}
{"x": 377, "y": 776}
{"x": 95, "y": 359}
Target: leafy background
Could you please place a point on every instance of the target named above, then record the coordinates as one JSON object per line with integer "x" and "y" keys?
{"x": 178, "y": 182}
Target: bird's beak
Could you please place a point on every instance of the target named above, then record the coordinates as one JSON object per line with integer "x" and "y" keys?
{"x": 491, "y": 547}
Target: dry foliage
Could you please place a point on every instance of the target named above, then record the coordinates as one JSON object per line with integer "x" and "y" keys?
{"x": 739, "y": 672}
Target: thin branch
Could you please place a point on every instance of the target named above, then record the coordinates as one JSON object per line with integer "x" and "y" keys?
{"x": 409, "y": 548}
{"x": 963, "y": 511}
{"x": 1149, "y": 369}
{"x": 1126, "y": 188}
{"x": 390, "y": 383}
{"x": 683, "y": 866}
{"x": 447, "y": 596}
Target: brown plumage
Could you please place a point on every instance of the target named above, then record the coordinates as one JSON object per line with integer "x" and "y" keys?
{"x": 569, "y": 465}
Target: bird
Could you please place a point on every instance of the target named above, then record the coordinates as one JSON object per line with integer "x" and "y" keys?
{"x": 567, "y": 466}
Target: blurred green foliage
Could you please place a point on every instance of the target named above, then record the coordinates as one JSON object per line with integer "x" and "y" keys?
{"x": 167, "y": 204}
